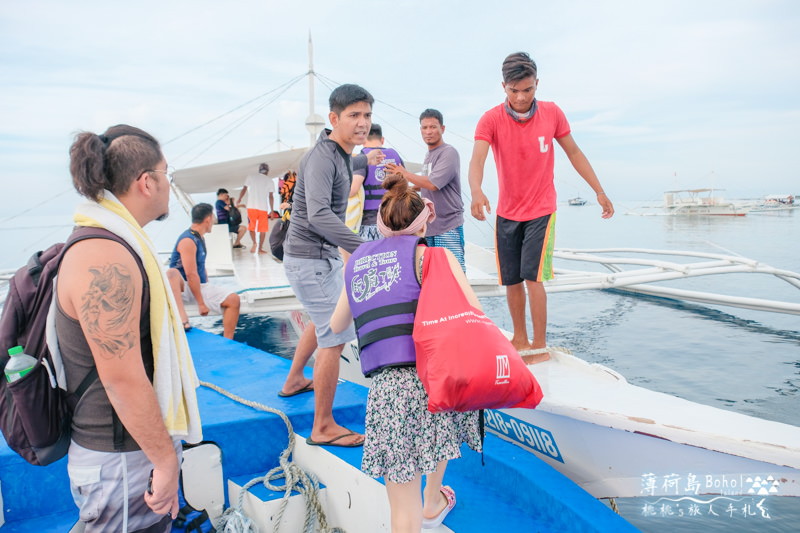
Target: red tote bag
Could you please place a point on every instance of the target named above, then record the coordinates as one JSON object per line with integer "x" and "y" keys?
{"x": 463, "y": 359}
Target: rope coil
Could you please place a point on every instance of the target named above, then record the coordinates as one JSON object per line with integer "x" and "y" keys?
{"x": 234, "y": 519}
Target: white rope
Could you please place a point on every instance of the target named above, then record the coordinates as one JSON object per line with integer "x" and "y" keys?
{"x": 234, "y": 520}
{"x": 546, "y": 350}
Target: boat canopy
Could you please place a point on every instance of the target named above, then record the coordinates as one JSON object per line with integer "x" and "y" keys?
{"x": 694, "y": 191}
{"x": 231, "y": 174}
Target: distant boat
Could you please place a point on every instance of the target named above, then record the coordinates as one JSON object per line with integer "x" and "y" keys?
{"x": 576, "y": 201}
{"x": 695, "y": 202}
{"x": 776, "y": 202}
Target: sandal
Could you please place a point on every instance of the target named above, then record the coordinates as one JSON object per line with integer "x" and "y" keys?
{"x": 450, "y": 496}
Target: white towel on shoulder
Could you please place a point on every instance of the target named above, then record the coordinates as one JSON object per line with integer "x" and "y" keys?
{"x": 175, "y": 380}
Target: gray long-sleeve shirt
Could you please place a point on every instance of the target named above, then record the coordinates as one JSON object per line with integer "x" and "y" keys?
{"x": 319, "y": 205}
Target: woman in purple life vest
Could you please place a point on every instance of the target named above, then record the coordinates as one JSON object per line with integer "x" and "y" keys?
{"x": 403, "y": 439}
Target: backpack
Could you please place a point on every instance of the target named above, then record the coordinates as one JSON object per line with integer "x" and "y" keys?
{"x": 35, "y": 414}
{"x": 234, "y": 215}
{"x": 276, "y": 238}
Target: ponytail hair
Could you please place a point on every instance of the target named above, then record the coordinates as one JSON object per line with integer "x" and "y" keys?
{"x": 400, "y": 205}
{"x": 113, "y": 160}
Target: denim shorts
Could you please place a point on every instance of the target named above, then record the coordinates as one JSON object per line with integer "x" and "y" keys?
{"x": 317, "y": 283}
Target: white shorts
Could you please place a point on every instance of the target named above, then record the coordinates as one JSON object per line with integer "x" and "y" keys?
{"x": 108, "y": 488}
{"x": 212, "y": 294}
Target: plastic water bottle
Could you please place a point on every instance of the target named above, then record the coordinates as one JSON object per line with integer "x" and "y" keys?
{"x": 19, "y": 364}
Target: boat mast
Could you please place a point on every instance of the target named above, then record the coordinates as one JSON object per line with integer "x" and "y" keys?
{"x": 314, "y": 122}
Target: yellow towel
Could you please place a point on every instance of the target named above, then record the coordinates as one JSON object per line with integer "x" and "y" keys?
{"x": 355, "y": 209}
{"x": 175, "y": 380}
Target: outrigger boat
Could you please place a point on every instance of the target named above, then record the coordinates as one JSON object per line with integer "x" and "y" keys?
{"x": 615, "y": 439}
{"x": 610, "y": 438}
{"x": 630, "y": 436}
{"x": 577, "y": 201}
{"x": 776, "y": 202}
{"x": 636, "y": 432}
{"x": 694, "y": 202}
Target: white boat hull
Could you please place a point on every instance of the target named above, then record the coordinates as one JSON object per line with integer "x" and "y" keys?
{"x": 608, "y": 462}
{"x": 615, "y": 439}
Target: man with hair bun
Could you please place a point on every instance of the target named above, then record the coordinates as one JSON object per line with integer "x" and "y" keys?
{"x": 520, "y": 132}
{"x": 115, "y": 315}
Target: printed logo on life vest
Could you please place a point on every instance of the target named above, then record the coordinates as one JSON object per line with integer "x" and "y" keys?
{"x": 380, "y": 170}
{"x": 503, "y": 370}
{"x": 382, "y": 271}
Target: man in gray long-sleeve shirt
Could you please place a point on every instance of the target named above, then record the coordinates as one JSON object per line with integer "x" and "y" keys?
{"x": 311, "y": 252}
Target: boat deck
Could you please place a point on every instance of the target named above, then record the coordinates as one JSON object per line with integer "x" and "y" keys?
{"x": 265, "y": 287}
{"x": 490, "y": 497}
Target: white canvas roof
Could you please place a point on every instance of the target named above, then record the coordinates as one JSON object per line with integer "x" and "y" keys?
{"x": 231, "y": 174}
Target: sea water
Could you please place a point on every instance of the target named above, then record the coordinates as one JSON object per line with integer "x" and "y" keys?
{"x": 735, "y": 359}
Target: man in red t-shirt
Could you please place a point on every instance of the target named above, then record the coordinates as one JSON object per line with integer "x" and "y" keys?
{"x": 521, "y": 132}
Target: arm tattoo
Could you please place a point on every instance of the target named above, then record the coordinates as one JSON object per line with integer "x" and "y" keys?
{"x": 106, "y": 310}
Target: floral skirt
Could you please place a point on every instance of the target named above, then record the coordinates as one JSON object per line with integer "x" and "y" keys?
{"x": 402, "y": 436}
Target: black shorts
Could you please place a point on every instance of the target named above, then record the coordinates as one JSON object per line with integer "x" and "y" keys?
{"x": 525, "y": 249}
{"x": 233, "y": 228}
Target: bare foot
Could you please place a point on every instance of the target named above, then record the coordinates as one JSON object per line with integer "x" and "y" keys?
{"x": 532, "y": 359}
{"x": 521, "y": 344}
{"x": 438, "y": 506}
{"x": 262, "y": 252}
{"x": 253, "y": 249}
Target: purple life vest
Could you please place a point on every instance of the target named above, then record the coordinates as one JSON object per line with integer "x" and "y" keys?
{"x": 383, "y": 291}
{"x": 373, "y": 182}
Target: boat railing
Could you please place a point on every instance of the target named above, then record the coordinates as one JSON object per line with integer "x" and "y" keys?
{"x": 656, "y": 270}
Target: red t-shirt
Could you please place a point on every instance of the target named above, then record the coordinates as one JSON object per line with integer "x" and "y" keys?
{"x": 523, "y": 152}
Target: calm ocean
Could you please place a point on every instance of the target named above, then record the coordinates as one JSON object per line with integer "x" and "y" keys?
{"x": 735, "y": 359}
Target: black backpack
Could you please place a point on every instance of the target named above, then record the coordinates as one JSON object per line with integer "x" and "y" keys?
{"x": 234, "y": 215}
{"x": 35, "y": 414}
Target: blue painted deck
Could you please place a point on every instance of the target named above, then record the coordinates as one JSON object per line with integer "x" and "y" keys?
{"x": 514, "y": 491}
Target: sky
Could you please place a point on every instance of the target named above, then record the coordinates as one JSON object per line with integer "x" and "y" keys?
{"x": 659, "y": 95}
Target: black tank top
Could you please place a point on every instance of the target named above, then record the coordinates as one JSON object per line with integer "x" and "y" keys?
{"x": 93, "y": 419}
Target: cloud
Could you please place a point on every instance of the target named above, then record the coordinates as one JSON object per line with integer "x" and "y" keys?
{"x": 647, "y": 86}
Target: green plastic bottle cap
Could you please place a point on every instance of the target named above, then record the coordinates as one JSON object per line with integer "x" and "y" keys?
{"x": 15, "y": 350}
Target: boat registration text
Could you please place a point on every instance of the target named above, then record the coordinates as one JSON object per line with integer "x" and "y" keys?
{"x": 522, "y": 433}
